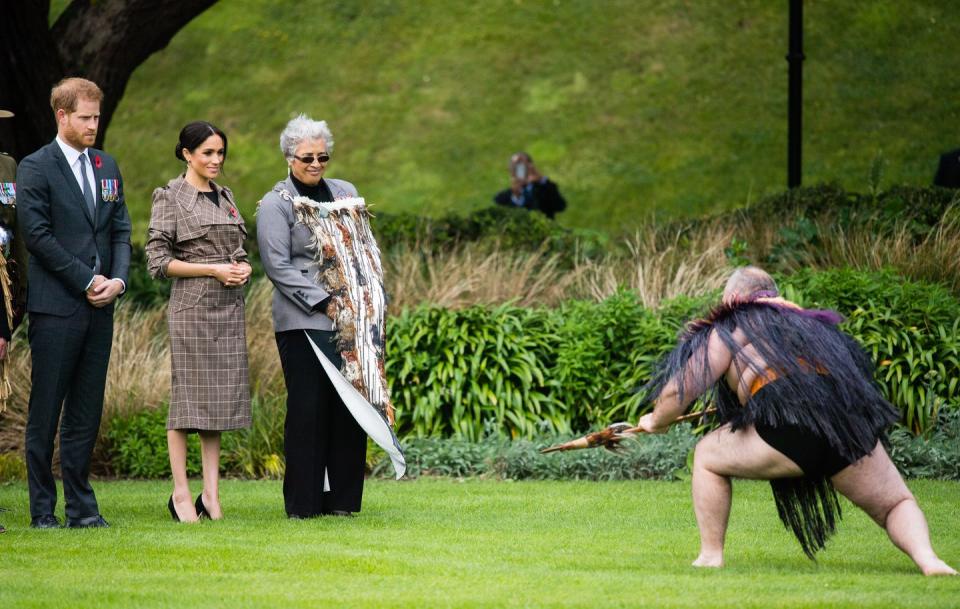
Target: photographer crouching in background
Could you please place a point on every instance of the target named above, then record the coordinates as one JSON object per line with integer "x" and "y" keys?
{"x": 530, "y": 189}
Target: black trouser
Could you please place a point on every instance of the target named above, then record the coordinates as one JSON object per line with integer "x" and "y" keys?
{"x": 69, "y": 356}
{"x": 320, "y": 435}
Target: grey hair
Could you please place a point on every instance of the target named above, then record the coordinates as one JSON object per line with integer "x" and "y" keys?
{"x": 304, "y": 128}
{"x": 748, "y": 280}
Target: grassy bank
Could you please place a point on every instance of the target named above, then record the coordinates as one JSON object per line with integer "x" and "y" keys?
{"x": 632, "y": 106}
{"x": 444, "y": 543}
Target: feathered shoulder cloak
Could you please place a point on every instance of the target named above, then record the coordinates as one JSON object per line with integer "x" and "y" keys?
{"x": 825, "y": 385}
{"x": 799, "y": 347}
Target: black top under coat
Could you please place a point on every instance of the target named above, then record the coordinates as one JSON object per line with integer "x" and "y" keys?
{"x": 320, "y": 193}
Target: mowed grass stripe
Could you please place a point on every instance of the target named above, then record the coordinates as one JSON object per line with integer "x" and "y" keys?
{"x": 476, "y": 543}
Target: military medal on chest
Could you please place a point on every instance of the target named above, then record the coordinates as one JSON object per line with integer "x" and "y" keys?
{"x": 8, "y": 193}
{"x": 109, "y": 190}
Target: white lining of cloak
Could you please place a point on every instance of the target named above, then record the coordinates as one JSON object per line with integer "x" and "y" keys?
{"x": 368, "y": 417}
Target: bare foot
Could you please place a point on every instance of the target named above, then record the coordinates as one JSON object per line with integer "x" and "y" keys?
{"x": 937, "y": 567}
{"x": 709, "y": 560}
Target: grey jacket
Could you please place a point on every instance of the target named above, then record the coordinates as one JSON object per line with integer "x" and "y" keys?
{"x": 288, "y": 259}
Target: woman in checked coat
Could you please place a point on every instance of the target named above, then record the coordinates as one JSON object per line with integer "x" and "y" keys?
{"x": 196, "y": 237}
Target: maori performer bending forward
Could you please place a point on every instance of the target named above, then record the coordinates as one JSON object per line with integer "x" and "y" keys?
{"x": 797, "y": 406}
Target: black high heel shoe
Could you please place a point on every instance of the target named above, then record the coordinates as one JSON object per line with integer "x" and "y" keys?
{"x": 201, "y": 509}
{"x": 173, "y": 510}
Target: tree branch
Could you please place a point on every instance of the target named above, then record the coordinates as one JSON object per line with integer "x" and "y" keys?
{"x": 104, "y": 41}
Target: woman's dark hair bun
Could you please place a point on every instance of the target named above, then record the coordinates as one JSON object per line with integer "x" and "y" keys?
{"x": 196, "y": 133}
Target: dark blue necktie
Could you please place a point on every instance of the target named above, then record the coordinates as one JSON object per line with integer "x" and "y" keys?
{"x": 87, "y": 189}
{"x": 88, "y": 197}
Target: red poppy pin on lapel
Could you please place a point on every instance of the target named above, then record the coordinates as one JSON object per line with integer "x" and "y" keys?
{"x": 233, "y": 212}
{"x": 97, "y": 161}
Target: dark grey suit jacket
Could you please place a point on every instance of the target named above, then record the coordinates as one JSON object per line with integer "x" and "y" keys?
{"x": 62, "y": 238}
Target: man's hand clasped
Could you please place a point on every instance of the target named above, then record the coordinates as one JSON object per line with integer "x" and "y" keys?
{"x": 103, "y": 291}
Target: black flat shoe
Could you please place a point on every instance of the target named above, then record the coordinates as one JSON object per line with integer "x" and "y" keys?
{"x": 173, "y": 510}
{"x": 201, "y": 509}
{"x": 90, "y": 522}
{"x": 2, "y": 530}
{"x": 45, "y": 522}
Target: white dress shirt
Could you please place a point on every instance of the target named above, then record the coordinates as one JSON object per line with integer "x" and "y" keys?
{"x": 73, "y": 160}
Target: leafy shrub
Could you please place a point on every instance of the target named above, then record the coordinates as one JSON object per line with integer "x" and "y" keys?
{"x": 513, "y": 229}
{"x": 531, "y": 371}
{"x": 921, "y": 206}
{"x": 657, "y": 457}
{"x": 935, "y": 456}
{"x": 257, "y": 452}
{"x": 12, "y": 468}
{"x": 660, "y": 457}
{"x": 911, "y": 330}
{"x": 136, "y": 446}
{"x": 452, "y": 371}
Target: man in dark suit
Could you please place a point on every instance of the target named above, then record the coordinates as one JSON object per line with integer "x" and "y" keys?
{"x": 74, "y": 219}
{"x": 530, "y": 189}
{"x": 948, "y": 173}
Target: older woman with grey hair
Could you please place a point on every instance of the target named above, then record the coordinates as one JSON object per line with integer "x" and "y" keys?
{"x": 325, "y": 446}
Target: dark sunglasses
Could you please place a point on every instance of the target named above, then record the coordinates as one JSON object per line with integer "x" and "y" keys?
{"x": 309, "y": 159}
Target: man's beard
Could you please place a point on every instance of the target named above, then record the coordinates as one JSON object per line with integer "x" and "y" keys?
{"x": 76, "y": 138}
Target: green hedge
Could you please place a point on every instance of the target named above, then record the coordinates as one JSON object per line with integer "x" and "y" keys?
{"x": 135, "y": 444}
{"x": 663, "y": 457}
{"x": 920, "y": 207}
{"x": 514, "y": 229}
{"x": 511, "y": 372}
{"x": 660, "y": 457}
{"x": 530, "y": 371}
{"x": 911, "y": 330}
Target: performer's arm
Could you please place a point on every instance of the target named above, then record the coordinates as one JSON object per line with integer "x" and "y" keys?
{"x": 34, "y": 218}
{"x": 668, "y": 405}
{"x": 273, "y": 237}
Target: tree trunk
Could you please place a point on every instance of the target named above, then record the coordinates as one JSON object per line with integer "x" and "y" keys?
{"x": 104, "y": 41}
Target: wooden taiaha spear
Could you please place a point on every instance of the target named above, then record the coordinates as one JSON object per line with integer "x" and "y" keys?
{"x": 610, "y": 437}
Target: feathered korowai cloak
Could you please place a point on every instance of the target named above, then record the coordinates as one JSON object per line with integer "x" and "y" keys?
{"x": 825, "y": 385}
{"x": 349, "y": 269}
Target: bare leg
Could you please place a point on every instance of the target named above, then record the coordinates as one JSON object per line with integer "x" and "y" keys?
{"x": 182, "y": 501}
{"x": 720, "y": 455}
{"x": 210, "y": 456}
{"x": 874, "y": 484}
{"x": 712, "y": 494}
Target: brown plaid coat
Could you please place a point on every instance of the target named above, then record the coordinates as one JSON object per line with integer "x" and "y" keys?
{"x": 211, "y": 380}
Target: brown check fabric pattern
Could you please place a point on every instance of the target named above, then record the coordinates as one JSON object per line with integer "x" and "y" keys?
{"x": 211, "y": 379}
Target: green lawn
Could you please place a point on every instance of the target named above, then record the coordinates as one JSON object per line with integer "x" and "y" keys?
{"x": 445, "y": 543}
{"x": 631, "y": 105}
